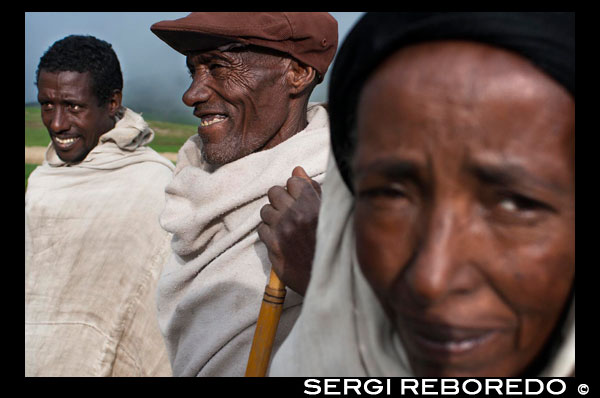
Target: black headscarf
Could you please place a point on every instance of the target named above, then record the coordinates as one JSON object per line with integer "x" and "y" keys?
{"x": 546, "y": 39}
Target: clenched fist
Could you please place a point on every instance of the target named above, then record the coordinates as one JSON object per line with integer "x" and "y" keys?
{"x": 289, "y": 228}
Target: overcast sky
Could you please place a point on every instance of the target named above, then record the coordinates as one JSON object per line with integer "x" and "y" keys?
{"x": 155, "y": 75}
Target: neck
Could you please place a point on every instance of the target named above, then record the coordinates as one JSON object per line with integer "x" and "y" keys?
{"x": 295, "y": 123}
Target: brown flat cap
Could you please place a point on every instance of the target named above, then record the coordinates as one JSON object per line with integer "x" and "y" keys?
{"x": 309, "y": 37}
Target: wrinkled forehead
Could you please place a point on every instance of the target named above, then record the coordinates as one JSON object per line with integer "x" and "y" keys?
{"x": 197, "y": 57}
{"x": 235, "y": 53}
{"x": 223, "y": 45}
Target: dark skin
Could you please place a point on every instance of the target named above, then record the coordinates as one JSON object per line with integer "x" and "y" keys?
{"x": 251, "y": 100}
{"x": 72, "y": 113}
{"x": 465, "y": 205}
{"x": 247, "y": 100}
{"x": 289, "y": 228}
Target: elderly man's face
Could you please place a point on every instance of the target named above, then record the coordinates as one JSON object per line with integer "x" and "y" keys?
{"x": 465, "y": 208}
{"x": 241, "y": 100}
{"x": 71, "y": 113}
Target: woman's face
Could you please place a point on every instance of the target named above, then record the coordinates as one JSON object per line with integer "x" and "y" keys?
{"x": 464, "y": 174}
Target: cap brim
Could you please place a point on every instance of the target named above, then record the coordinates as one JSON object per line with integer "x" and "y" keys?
{"x": 187, "y": 41}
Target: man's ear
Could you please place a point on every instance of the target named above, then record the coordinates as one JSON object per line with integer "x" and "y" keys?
{"x": 300, "y": 76}
{"x": 114, "y": 102}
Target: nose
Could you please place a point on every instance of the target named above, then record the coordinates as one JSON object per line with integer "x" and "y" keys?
{"x": 442, "y": 263}
{"x": 59, "y": 121}
{"x": 198, "y": 92}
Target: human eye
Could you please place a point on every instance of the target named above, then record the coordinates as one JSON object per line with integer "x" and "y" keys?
{"x": 46, "y": 106}
{"x": 73, "y": 107}
{"x": 514, "y": 202}
{"x": 383, "y": 196}
{"x": 219, "y": 69}
{"x": 512, "y": 207}
{"x": 215, "y": 65}
{"x": 390, "y": 192}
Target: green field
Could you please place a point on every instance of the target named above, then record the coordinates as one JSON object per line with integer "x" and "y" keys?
{"x": 169, "y": 137}
{"x": 35, "y": 132}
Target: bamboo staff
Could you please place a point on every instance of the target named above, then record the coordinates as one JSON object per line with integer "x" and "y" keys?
{"x": 266, "y": 327}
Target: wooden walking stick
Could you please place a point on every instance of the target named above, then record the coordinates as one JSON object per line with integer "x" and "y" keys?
{"x": 266, "y": 327}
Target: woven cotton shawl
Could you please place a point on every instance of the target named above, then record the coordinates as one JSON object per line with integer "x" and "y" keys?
{"x": 342, "y": 329}
{"x": 211, "y": 289}
{"x": 93, "y": 252}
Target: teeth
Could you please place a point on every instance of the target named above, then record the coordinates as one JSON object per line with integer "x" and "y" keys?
{"x": 462, "y": 345}
{"x": 65, "y": 141}
{"x": 212, "y": 120}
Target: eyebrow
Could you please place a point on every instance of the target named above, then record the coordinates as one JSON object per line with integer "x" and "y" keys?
{"x": 207, "y": 56}
{"x": 506, "y": 173}
{"x": 66, "y": 98}
{"x": 394, "y": 169}
{"x": 512, "y": 174}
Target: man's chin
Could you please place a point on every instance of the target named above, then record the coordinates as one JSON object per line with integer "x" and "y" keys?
{"x": 71, "y": 157}
{"x": 216, "y": 157}
{"x": 221, "y": 153}
{"x": 216, "y": 161}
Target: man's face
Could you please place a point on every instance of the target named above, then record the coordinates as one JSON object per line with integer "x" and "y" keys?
{"x": 71, "y": 113}
{"x": 241, "y": 100}
{"x": 464, "y": 176}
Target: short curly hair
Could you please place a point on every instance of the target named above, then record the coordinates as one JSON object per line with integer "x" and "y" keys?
{"x": 79, "y": 53}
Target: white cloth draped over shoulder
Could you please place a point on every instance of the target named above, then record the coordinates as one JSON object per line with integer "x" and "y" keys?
{"x": 342, "y": 330}
{"x": 211, "y": 289}
{"x": 94, "y": 249}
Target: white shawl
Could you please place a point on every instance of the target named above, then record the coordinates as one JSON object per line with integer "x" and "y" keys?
{"x": 211, "y": 289}
{"x": 342, "y": 329}
{"x": 93, "y": 252}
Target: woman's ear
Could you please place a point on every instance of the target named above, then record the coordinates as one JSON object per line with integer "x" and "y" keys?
{"x": 300, "y": 77}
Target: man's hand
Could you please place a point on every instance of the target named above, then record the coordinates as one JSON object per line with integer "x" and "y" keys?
{"x": 289, "y": 228}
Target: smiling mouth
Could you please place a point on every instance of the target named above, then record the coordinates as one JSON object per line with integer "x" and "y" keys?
{"x": 209, "y": 120}
{"x": 64, "y": 143}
